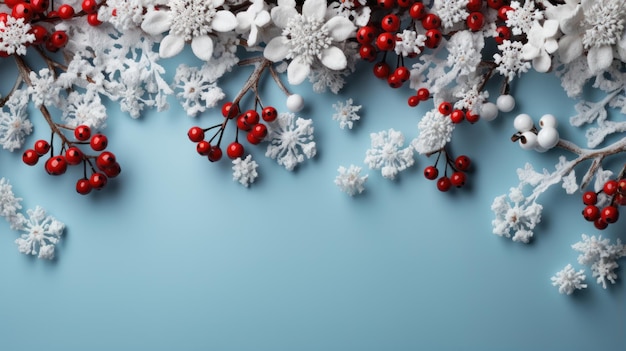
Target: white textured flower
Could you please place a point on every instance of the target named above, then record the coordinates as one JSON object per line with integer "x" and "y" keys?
{"x": 519, "y": 219}
{"x": 308, "y": 37}
{"x": 14, "y": 124}
{"x": 43, "y": 88}
{"x": 541, "y": 44}
{"x": 451, "y": 12}
{"x": 15, "y": 35}
{"x": 435, "y": 130}
{"x": 290, "y": 140}
{"x": 244, "y": 170}
{"x": 346, "y": 113}
{"x": 522, "y": 17}
{"x": 387, "y": 153}
{"x": 568, "y": 280}
{"x": 9, "y": 205}
{"x": 464, "y": 52}
{"x": 84, "y": 109}
{"x": 510, "y": 61}
{"x": 255, "y": 18}
{"x": 41, "y": 234}
{"x": 188, "y": 20}
{"x": 409, "y": 42}
{"x": 123, "y": 14}
{"x": 350, "y": 180}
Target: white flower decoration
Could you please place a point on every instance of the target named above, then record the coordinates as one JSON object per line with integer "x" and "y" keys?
{"x": 541, "y": 43}
{"x": 307, "y": 37}
{"x": 252, "y": 20}
{"x": 188, "y": 20}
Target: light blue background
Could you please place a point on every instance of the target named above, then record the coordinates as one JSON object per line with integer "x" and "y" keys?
{"x": 174, "y": 255}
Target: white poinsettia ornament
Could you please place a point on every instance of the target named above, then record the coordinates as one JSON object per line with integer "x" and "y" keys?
{"x": 188, "y": 20}
{"x": 307, "y": 37}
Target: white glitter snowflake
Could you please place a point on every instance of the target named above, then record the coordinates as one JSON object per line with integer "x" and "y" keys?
{"x": 522, "y": 17}
{"x": 568, "y": 280}
{"x": 350, "y": 180}
{"x": 290, "y": 140}
{"x": 451, "y": 11}
{"x": 15, "y": 35}
{"x": 14, "y": 124}
{"x": 510, "y": 61}
{"x": 601, "y": 256}
{"x": 43, "y": 88}
{"x": 9, "y": 205}
{"x": 409, "y": 42}
{"x": 244, "y": 170}
{"x": 84, "y": 109}
{"x": 346, "y": 113}
{"x": 41, "y": 234}
{"x": 197, "y": 91}
{"x": 464, "y": 52}
{"x": 519, "y": 219}
{"x": 387, "y": 153}
{"x": 435, "y": 130}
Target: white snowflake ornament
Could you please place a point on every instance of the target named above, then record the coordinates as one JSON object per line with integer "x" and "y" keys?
{"x": 350, "y": 180}
{"x": 290, "y": 140}
{"x": 41, "y": 234}
{"x": 244, "y": 170}
{"x": 568, "y": 280}
{"x": 346, "y": 113}
{"x": 435, "y": 131}
{"x": 387, "y": 153}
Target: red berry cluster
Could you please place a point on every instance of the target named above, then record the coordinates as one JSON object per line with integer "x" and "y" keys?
{"x": 457, "y": 116}
{"x": 422, "y": 94}
{"x": 248, "y": 121}
{"x": 601, "y": 218}
{"x": 40, "y": 12}
{"x": 476, "y": 18}
{"x": 72, "y": 155}
{"x": 459, "y": 167}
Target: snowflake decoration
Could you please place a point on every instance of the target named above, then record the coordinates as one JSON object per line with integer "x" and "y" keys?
{"x": 244, "y": 170}
{"x": 290, "y": 140}
{"x": 84, "y": 109}
{"x": 10, "y": 205}
{"x": 387, "y": 153}
{"x": 409, "y": 42}
{"x": 510, "y": 62}
{"x": 451, "y": 12}
{"x": 519, "y": 219}
{"x": 14, "y": 124}
{"x": 346, "y": 113}
{"x": 350, "y": 180}
{"x": 435, "y": 131}
{"x": 41, "y": 234}
{"x": 522, "y": 17}
{"x": 198, "y": 90}
{"x": 568, "y": 280}
{"x": 601, "y": 256}
{"x": 15, "y": 35}
{"x": 43, "y": 88}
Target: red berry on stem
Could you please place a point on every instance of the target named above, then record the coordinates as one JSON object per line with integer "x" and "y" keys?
{"x": 30, "y": 157}
{"x": 203, "y": 147}
{"x": 495, "y": 4}
{"x": 23, "y": 10}
{"x": 40, "y": 33}
{"x": 113, "y": 171}
{"x": 386, "y": 41}
{"x": 195, "y": 134}
{"x": 431, "y": 21}
{"x": 73, "y": 156}
{"x": 502, "y": 12}
{"x": 502, "y": 33}
{"x": 423, "y": 94}
{"x": 252, "y": 139}
{"x": 610, "y": 187}
{"x": 413, "y": 101}
{"x": 600, "y": 224}
{"x": 457, "y": 179}
{"x": 56, "y": 165}
{"x": 98, "y": 180}
{"x": 105, "y": 160}
{"x": 12, "y": 3}
{"x": 58, "y": 39}
{"x": 41, "y": 147}
{"x": 591, "y": 213}
{"x": 417, "y": 11}
{"x": 4, "y": 17}
{"x": 431, "y": 172}
{"x": 433, "y": 38}
{"x": 83, "y": 186}
{"x": 445, "y": 108}
{"x": 394, "y": 81}
{"x": 457, "y": 116}
{"x": 381, "y": 70}
{"x": 444, "y": 184}
{"x": 251, "y": 117}
{"x": 620, "y": 199}
{"x": 39, "y": 6}
{"x": 471, "y": 117}
{"x": 215, "y": 154}
{"x": 241, "y": 123}
{"x": 93, "y": 20}
{"x": 621, "y": 186}
{"x": 590, "y": 198}
{"x": 259, "y": 131}
{"x": 90, "y": 6}
{"x": 234, "y": 150}
{"x": 367, "y": 52}
{"x": 475, "y": 21}
{"x": 366, "y": 34}
{"x": 269, "y": 114}
{"x": 390, "y": 23}
{"x": 82, "y": 133}
{"x": 474, "y": 5}
{"x": 386, "y": 4}
{"x": 403, "y": 73}
{"x": 404, "y": 3}
{"x": 462, "y": 163}
{"x": 230, "y": 110}
{"x": 99, "y": 142}
{"x": 65, "y": 11}
{"x": 609, "y": 214}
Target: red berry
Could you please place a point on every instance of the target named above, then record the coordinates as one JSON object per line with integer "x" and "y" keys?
{"x": 82, "y": 133}
{"x": 215, "y": 154}
{"x": 404, "y": 3}
{"x": 444, "y": 184}
{"x": 252, "y": 139}
{"x": 590, "y": 198}
{"x": 367, "y": 52}
{"x": 431, "y": 172}
{"x": 23, "y": 10}
{"x": 472, "y": 118}
{"x": 58, "y": 39}
{"x": 203, "y": 147}
{"x": 251, "y": 117}
{"x": 609, "y": 214}
{"x": 431, "y": 21}
{"x": 423, "y": 94}
{"x": 30, "y": 157}
{"x": 73, "y": 156}
{"x": 381, "y": 70}
{"x": 457, "y": 116}
{"x": 52, "y": 14}
{"x": 90, "y": 6}
{"x": 83, "y": 186}
{"x": 502, "y": 12}
{"x": 39, "y": 6}
{"x": 610, "y": 187}
{"x": 105, "y": 160}
{"x": 495, "y": 4}
{"x": 386, "y": 4}
{"x": 600, "y": 224}
{"x": 621, "y": 186}
{"x": 403, "y": 73}
{"x": 366, "y": 34}
{"x": 433, "y": 38}
{"x": 98, "y": 180}
{"x": 591, "y": 213}
{"x": 502, "y": 33}
{"x": 241, "y": 123}
{"x": 457, "y": 179}
{"x": 413, "y": 101}
{"x": 40, "y": 33}
{"x": 93, "y": 20}
{"x": 41, "y": 147}
{"x": 269, "y": 114}
{"x": 65, "y": 11}
{"x": 56, "y": 165}
{"x": 99, "y": 142}
{"x": 474, "y": 5}
{"x": 230, "y": 110}
{"x": 620, "y": 199}
{"x": 4, "y": 17}
{"x": 475, "y": 21}
{"x": 445, "y": 108}
{"x": 113, "y": 171}
{"x": 417, "y": 11}
{"x": 394, "y": 81}
{"x": 234, "y": 150}
{"x": 390, "y": 23}
{"x": 386, "y": 41}
{"x": 195, "y": 134}
{"x": 462, "y": 163}
{"x": 259, "y": 131}
{"x": 12, "y": 3}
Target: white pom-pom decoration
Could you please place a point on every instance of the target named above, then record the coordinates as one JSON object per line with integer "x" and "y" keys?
{"x": 523, "y": 123}
{"x": 528, "y": 140}
{"x": 505, "y": 103}
{"x": 295, "y": 103}
{"x": 548, "y": 121}
{"x": 548, "y": 137}
{"x": 489, "y": 111}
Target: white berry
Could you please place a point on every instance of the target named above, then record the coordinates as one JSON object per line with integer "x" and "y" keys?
{"x": 523, "y": 123}
{"x": 548, "y": 137}
{"x": 528, "y": 140}
{"x": 506, "y": 103}
{"x": 295, "y": 103}
{"x": 489, "y": 111}
{"x": 548, "y": 121}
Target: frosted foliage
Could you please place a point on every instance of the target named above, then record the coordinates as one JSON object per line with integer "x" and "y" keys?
{"x": 290, "y": 140}
{"x": 601, "y": 256}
